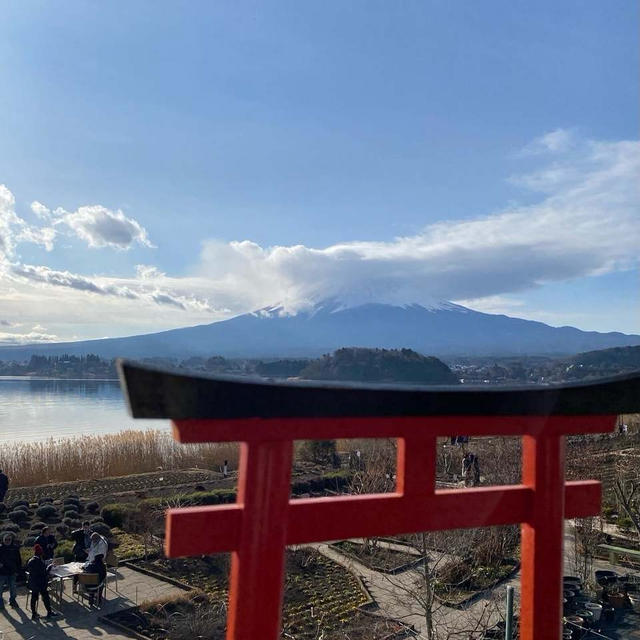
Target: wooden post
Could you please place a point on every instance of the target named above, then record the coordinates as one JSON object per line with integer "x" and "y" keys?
{"x": 257, "y": 566}
{"x": 542, "y": 538}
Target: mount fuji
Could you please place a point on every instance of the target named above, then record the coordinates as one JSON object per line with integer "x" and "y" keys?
{"x": 436, "y": 328}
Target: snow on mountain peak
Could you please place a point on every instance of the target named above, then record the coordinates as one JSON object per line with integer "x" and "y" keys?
{"x": 342, "y": 303}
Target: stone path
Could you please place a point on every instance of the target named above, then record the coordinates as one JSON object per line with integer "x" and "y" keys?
{"x": 396, "y": 597}
{"x": 77, "y": 620}
{"x": 393, "y": 594}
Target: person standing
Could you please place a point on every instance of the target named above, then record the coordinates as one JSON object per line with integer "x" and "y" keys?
{"x": 38, "y": 582}
{"x": 10, "y": 566}
{"x": 82, "y": 542}
{"x": 4, "y": 485}
{"x": 471, "y": 470}
{"x": 48, "y": 543}
{"x": 99, "y": 547}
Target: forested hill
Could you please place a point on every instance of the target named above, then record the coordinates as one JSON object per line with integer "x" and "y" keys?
{"x": 606, "y": 362}
{"x": 379, "y": 365}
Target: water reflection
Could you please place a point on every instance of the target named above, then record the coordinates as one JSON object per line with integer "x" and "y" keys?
{"x": 38, "y": 408}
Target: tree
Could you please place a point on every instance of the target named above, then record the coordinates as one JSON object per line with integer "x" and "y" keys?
{"x": 319, "y": 451}
{"x": 587, "y": 535}
{"x": 444, "y": 568}
{"x": 627, "y": 489}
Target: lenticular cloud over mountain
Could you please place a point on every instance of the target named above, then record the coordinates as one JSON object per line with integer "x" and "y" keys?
{"x": 585, "y": 224}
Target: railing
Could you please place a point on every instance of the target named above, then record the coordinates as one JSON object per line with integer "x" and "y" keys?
{"x": 267, "y": 418}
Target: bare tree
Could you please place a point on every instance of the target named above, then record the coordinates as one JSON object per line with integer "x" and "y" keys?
{"x": 587, "y": 535}
{"x": 627, "y": 489}
{"x": 375, "y": 473}
{"x": 445, "y": 567}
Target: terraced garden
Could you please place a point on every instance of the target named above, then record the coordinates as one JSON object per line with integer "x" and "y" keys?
{"x": 25, "y": 521}
{"x": 317, "y": 590}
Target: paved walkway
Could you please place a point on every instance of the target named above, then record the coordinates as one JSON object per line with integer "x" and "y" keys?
{"x": 77, "y": 620}
{"x": 398, "y": 596}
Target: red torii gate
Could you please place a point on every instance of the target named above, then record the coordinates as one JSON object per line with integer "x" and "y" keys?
{"x": 266, "y": 418}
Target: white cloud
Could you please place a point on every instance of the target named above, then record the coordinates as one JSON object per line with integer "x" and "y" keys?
{"x": 102, "y": 227}
{"x": 148, "y": 272}
{"x": 26, "y": 338}
{"x": 494, "y": 304}
{"x": 43, "y": 212}
{"x": 43, "y": 236}
{"x": 557, "y": 141}
{"x": 584, "y": 223}
{"x": 14, "y": 230}
{"x": 56, "y": 278}
{"x": 143, "y": 290}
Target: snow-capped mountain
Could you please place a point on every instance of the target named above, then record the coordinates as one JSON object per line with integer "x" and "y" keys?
{"x": 438, "y": 328}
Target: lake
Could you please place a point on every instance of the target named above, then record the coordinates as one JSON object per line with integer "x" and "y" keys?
{"x": 42, "y": 408}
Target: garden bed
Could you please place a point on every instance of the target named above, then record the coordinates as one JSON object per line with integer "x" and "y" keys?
{"x": 378, "y": 556}
{"x": 476, "y": 582}
{"x": 316, "y": 589}
{"x": 104, "y": 487}
{"x": 196, "y": 614}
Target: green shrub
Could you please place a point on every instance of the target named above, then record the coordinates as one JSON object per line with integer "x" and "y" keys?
{"x": 72, "y": 523}
{"x": 116, "y": 514}
{"x": 93, "y": 507}
{"x": 624, "y": 522}
{"x": 334, "y": 480}
{"x": 21, "y": 507}
{"x": 320, "y": 451}
{"x": 3, "y": 507}
{"x": 37, "y": 526}
{"x": 65, "y": 550}
{"x": 45, "y": 500}
{"x": 102, "y": 529}
{"x": 75, "y": 505}
{"x": 10, "y": 527}
{"x": 46, "y": 511}
{"x": 19, "y": 503}
{"x": 18, "y": 516}
{"x": 29, "y": 541}
{"x": 197, "y": 498}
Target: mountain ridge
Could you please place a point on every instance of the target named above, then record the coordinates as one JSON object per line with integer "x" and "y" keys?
{"x": 273, "y": 332}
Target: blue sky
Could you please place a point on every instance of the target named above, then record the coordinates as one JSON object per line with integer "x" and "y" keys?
{"x": 281, "y": 151}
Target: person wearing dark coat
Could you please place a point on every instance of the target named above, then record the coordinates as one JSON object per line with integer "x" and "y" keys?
{"x": 48, "y": 543}
{"x": 98, "y": 566}
{"x": 4, "y": 485}
{"x": 38, "y": 581}
{"x": 82, "y": 542}
{"x": 10, "y": 566}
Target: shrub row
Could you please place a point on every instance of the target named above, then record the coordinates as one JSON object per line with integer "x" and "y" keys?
{"x": 124, "y": 514}
{"x": 334, "y": 481}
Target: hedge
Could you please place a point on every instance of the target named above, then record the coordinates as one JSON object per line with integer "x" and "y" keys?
{"x": 117, "y": 513}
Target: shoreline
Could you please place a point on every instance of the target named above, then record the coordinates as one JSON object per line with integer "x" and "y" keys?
{"x": 50, "y": 378}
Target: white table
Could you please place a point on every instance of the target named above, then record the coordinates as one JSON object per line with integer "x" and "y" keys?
{"x": 64, "y": 572}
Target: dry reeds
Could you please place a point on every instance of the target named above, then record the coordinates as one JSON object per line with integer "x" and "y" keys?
{"x": 100, "y": 456}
